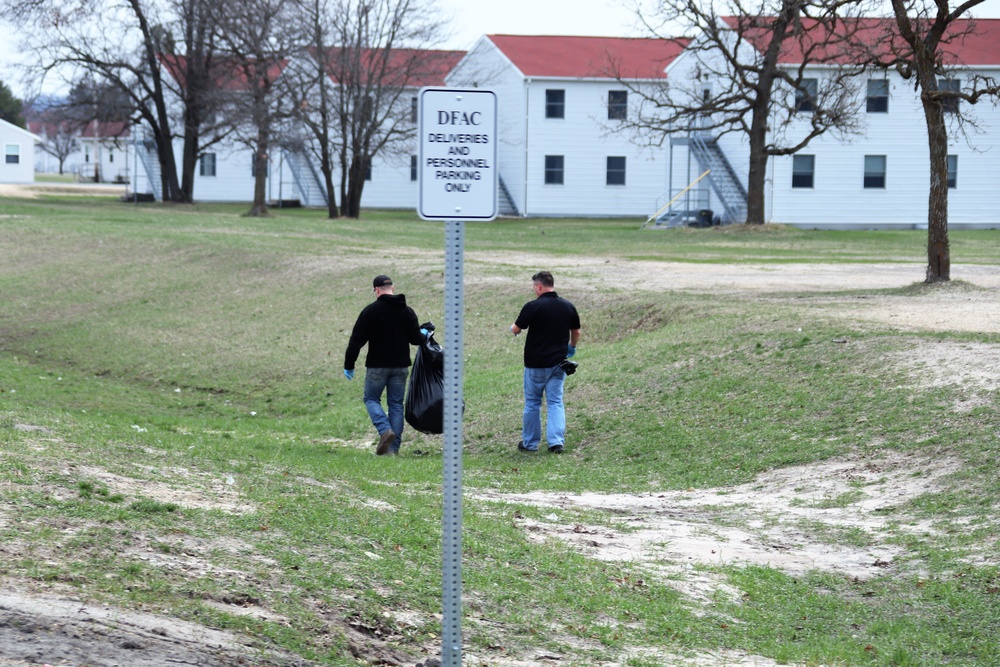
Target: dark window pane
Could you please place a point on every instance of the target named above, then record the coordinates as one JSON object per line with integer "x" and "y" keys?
{"x": 615, "y": 170}
{"x": 555, "y": 103}
{"x": 617, "y": 104}
{"x": 553, "y": 169}
{"x": 878, "y": 96}
{"x": 875, "y": 169}
{"x": 805, "y": 95}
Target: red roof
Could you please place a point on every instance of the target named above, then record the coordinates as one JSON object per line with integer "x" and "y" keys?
{"x": 976, "y": 41}
{"x": 99, "y": 129}
{"x": 229, "y": 74}
{"x": 412, "y": 68}
{"x": 590, "y": 57}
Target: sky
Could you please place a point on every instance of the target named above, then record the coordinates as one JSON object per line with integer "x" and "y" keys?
{"x": 470, "y": 19}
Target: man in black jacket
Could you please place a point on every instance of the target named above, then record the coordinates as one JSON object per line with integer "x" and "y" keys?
{"x": 388, "y": 326}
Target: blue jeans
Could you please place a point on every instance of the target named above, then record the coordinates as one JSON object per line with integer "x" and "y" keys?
{"x": 393, "y": 382}
{"x": 547, "y": 381}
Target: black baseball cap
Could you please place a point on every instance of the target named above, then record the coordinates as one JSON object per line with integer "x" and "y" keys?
{"x": 381, "y": 281}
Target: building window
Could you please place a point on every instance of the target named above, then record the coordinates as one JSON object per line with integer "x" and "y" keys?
{"x": 617, "y": 104}
{"x": 952, "y": 171}
{"x": 206, "y": 166}
{"x": 111, "y": 155}
{"x": 875, "y": 171}
{"x": 803, "y": 170}
{"x": 368, "y": 171}
{"x": 414, "y": 109}
{"x": 86, "y": 154}
{"x": 805, "y": 95}
{"x": 878, "y": 96}
{"x": 615, "y": 170}
{"x": 555, "y": 103}
{"x": 553, "y": 169}
{"x": 413, "y": 167}
{"x": 12, "y": 154}
{"x": 950, "y": 104}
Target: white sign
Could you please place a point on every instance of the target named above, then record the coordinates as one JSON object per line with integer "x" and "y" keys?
{"x": 458, "y": 154}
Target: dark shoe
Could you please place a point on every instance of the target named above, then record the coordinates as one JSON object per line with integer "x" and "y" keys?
{"x": 556, "y": 449}
{"x": 522, "y": 448}
{"x": 383, "y": 442}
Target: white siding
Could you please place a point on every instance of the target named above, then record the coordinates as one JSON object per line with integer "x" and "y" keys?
{"x": 22, "y": 144}
{"x": 486, "y": 67}
{"x": 839, "y": 198}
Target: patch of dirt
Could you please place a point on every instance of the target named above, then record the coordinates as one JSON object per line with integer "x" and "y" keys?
{"x": 33, "y": 190}
{"x": 39, "y": 631}
{"x": 792, "y": 519}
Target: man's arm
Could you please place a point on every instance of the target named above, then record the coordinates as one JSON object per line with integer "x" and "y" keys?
{"x": 574, "y": 337}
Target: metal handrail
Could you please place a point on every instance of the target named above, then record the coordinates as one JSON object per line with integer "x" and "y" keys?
{"x": 666, "y": 206}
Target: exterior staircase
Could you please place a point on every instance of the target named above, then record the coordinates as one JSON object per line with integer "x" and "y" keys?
{"x": 308, "y": 180}
{"x": 145, "y": 151}
{"x": 722, "y": 178}
{"x": 505, "y": 203}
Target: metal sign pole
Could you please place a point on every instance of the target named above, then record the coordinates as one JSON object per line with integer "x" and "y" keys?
{"x": 458, "y": 182}
{"x": 451, "y": 635}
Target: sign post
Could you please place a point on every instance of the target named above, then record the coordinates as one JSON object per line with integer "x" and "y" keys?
{"x": 458, "y": 182}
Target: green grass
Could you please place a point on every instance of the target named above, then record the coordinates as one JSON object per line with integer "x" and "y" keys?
{"x": 175, "y": 433}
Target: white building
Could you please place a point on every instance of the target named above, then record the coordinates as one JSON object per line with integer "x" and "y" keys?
{"x": 559, "y": 102}
{"x": 18, "y": 164}
{"x": 100, "y": 149}
{"x": 560, "y": 154}
{"x": 880, "y": 177}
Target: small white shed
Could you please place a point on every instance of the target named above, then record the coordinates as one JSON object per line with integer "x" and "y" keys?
{"x": 18, "y": 145}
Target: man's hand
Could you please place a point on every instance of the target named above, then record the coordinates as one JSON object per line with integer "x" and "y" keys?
{"x": 349, "y": 374}
{"x": 570, "y": 351}
{"x": 514, "y": 329}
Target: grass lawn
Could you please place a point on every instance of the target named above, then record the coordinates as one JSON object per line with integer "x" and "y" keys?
{"x": 176, "y": 436}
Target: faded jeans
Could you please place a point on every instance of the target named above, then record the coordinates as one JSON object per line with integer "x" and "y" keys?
{"x": 547, "y": 381}
{"x": 393, "y": 382}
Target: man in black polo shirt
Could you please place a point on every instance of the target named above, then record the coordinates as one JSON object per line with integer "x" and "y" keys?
{"x": 553, "y": 331}
{"x": 389, "y": 327}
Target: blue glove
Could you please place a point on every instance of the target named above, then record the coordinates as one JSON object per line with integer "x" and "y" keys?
{"x": 570, "y": 351}
{"x": 425, "y": 333}
{"x": 348, "y": 374}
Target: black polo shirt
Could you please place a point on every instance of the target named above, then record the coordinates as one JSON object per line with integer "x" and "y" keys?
{"x": 548, "y": 319}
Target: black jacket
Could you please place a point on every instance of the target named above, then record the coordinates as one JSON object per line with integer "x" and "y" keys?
{"x": 389, "y": 327}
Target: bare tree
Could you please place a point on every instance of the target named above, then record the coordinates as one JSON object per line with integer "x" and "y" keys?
{"x": 258, "y": 37}
{"x": 59, "y": 136}
{"x": 926, "y": 49}
{"x": 381, "y": 56}
{"x": 310, "y": 87}
{"x": 759, "y": 59}
{"x": 122, "y": 44}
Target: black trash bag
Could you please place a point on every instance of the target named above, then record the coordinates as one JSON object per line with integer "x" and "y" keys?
{"x": 425, "y": 395}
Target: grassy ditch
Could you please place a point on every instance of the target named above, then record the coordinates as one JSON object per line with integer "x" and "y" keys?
{"x": 176, "y": 436}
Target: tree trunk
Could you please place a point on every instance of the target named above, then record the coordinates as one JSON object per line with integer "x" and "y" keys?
{"x": 326, "y": 165}
{"x": 189, "y": 157}
{"x": 259, "y": 207}
{"x": 757, "y": 176}
{"x": 938, "y": 253}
